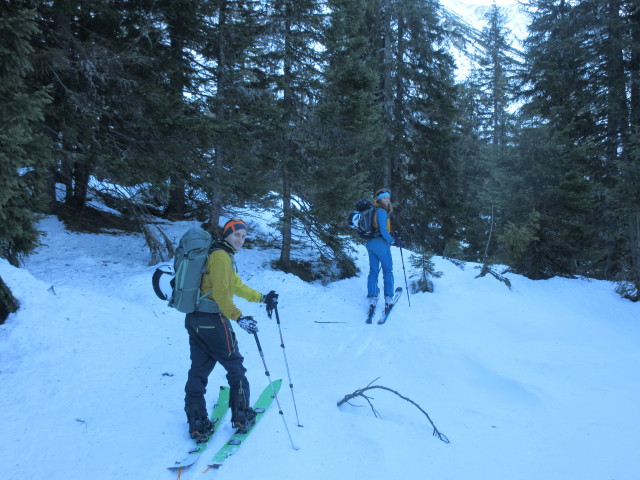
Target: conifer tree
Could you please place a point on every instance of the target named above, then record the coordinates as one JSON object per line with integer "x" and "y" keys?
{"x": 496, "y": 78}
{"x": 290, "y": 60}
{"x": 546, "y": 187}
{"x": 344, "y": 134}
{"x": 579, "y": 104}
{"x": 616, "y": 79}
{"x": 121, "y": 73}
{"x": 185, "y": 33}
{"x": 76, "y": 60}
{"x": 490, "y": 93}
{"x": 24, "y": 152}
{"x": 238, "y": 171}
{"x": 417, "y": 96}
{"x": 630, "y": 168}
{"x": 475, "y": 214}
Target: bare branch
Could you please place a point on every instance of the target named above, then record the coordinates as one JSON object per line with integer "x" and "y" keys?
{"x": 486, "y": 268}
{"x": 360, "y": 393}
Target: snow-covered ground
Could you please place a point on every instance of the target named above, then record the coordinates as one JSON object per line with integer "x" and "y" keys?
{"x": 536, "y": 382}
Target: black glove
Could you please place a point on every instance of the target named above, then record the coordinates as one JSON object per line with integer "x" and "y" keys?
{"x": 248, "y": 324}
{"x": 271, "y": 299}
{"x": 397, "y": 239}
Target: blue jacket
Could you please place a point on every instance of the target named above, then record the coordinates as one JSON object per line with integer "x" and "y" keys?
{"x": 382, "y": 218}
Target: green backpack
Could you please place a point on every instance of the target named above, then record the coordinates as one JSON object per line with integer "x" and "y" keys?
{"x": 190, "y": 263}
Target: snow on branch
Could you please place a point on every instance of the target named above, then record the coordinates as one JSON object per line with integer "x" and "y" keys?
{"x": 487, "y": 269}
{"x": 360, "y": 393}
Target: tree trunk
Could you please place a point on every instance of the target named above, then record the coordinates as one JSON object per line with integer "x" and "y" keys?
{"x": 634, "y": 217}
{"x": 8, "y": 303}
{"x": 634, "y": 240}
{"x": 177, "y": 81}
{"x": 79, "y": 185}
{"x": 177, "y": 198}
{"x": 387, "y": 92}
{"x": 215, "y": 195}
{"x": 285, "y": 252}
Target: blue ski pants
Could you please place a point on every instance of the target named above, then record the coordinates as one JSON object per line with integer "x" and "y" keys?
{"x": 379, "y": 257}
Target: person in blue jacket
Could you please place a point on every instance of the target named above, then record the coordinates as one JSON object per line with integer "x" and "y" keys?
{"x": 379, "y": 249}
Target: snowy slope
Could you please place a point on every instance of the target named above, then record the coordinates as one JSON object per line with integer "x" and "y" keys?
{"x": 539, "y": 381}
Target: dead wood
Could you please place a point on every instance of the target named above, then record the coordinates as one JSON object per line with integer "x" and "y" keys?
{"x": 361, "y": 393}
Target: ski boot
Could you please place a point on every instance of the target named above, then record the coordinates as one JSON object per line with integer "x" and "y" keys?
{"x": 388, "y": 301}
{"x": 200, "y": 427}
{"x": 372, "y": 308}
{"x": 243, "y": 420}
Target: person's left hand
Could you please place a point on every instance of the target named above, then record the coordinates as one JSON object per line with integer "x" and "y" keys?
{"x": 271, "y": 300}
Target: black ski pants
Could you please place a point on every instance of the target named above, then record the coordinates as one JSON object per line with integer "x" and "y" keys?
{"x": 211, "y": 341}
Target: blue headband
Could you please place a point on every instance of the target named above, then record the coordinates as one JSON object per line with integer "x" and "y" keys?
{"x": 382, "y": 195}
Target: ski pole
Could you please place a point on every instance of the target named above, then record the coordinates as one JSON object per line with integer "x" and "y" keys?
{"x": 405, "y": 277}
{"x": 273, "y": 390}
{"x": 295, "y": 407}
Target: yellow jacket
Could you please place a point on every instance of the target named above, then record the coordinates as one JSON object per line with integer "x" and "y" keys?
{"x": 225, "y": 283}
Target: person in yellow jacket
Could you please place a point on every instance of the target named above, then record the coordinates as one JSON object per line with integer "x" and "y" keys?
{"x": 211, "y": 336}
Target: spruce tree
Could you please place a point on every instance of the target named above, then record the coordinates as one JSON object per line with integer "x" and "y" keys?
{"x": 8, "y": 303}
{"x": 121, "y": 75}
{"x": 546, "y": 187}
{"x": 344, "y": 134}
{"x": 630, "y": 168}
{"x": 290, "y": 59}
{"x": 76, "y": 60}
{"x": 238, "y": 170}
{"x": 580, "y": 108}
{"x": 417, "y": 97}
{"x": 24, "y": 152}
{"x": 486, "y": 143}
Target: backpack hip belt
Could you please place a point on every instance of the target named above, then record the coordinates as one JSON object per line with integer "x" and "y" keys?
{"x": 207, "y": 305}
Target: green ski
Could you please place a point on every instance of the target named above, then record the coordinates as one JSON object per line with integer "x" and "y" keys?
{"x": 261, "y": 405}
{"x": 217, "y": 415}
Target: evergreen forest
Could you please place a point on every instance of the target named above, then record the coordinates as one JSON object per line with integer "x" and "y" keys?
{"x": 187, "y": 109}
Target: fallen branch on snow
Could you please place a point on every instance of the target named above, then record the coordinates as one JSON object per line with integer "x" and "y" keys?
{"x": 360, "y": 393}
{"x": 487, "y": 269}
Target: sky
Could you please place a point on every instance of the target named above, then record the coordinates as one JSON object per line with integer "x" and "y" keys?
{"x": 485, "y": 2}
